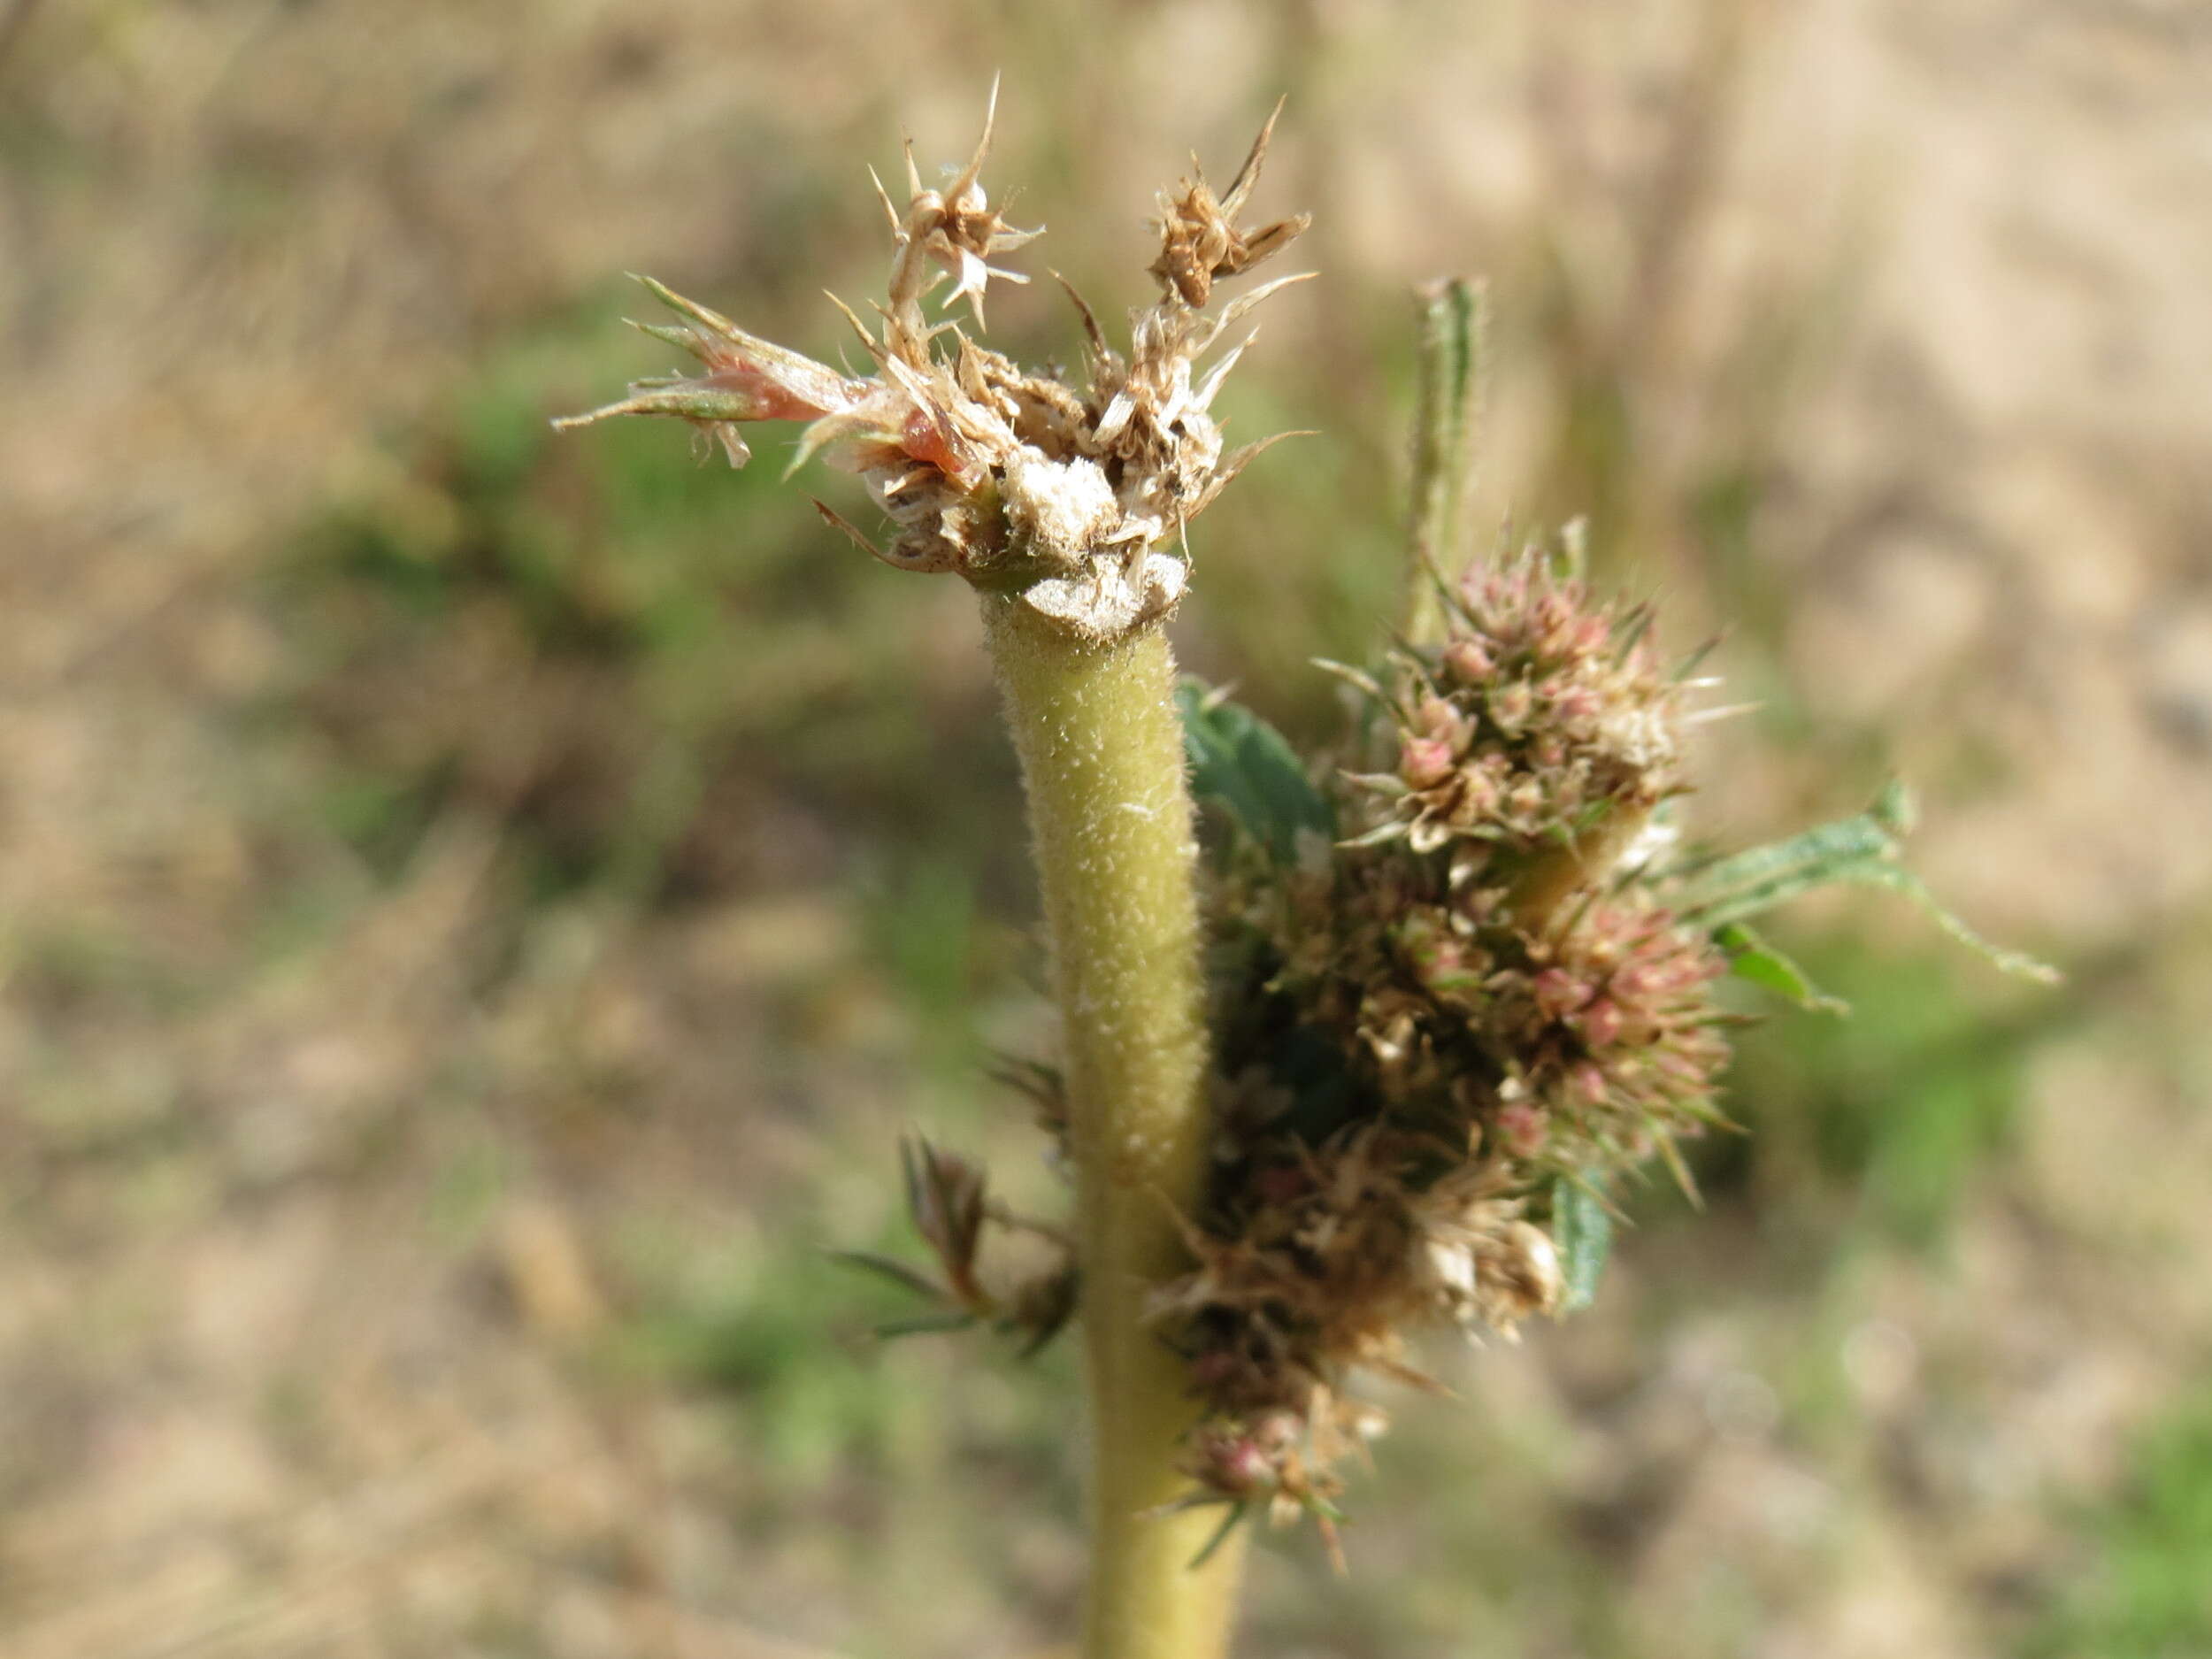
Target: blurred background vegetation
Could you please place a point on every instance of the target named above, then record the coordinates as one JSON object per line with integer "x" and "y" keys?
{"x": 477, "y": 908}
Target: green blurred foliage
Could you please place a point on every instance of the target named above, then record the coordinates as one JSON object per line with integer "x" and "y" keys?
{"x": 2146, "y": 1592}
{"x": 612, "y": 646}
{"x": 1881, "y": 1118}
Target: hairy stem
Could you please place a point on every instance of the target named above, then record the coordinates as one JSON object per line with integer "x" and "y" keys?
{"x": 1454, "y": 323}
{"x": 1110, "y": 814}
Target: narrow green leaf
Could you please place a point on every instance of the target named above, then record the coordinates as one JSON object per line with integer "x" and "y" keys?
{"x": 1751, "y": 957}
{"x": 1314, "y": 1503}
{"x": 1389, "y": 830}
{"x": 1449, "y": 406}
{"x": 1628, "y": 632}
{"x": 1671, "y": 1155}
{"x": 1694, "y": 661}
{"x": 1862, "y": 849}
{"x": 1752, "y": 882}
{"x": 1899, "y": 879}
{"x": 1382, "y": 783}
{"x": 711, "y": 321}
{"x": 1218, "y": 1537}
{"x": 1582, "y": 1229}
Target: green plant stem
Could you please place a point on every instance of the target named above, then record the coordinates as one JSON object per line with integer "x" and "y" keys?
{"x": 1110, "y": 813}
{"x": 1454, "y": 330}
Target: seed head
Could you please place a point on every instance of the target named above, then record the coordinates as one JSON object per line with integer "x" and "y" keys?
{"x": 1075, "y": 497}
{"x": 1561, "y": 736}
{"x": 1199, "y": 238}
{"x": 1467, "y": 1002}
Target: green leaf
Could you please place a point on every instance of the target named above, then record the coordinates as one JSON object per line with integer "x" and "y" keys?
{"x": 1751, "y": 957}
{"x": 1582, "y": 1228}
{"x": 1241, "y": 762}
{"x": 1750, "y": 882}
{"x": 1864, "y": 849}
{"x": 1899, "y": 879}
{"x": 1218, "y": 1536}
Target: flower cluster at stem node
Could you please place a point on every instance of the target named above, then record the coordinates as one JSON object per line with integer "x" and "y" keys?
{"x": 1474, "y": 996}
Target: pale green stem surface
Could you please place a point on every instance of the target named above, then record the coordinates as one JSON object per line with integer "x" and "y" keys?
{"x": 1110, "y": 813}
{"x": 1453, "y": 327}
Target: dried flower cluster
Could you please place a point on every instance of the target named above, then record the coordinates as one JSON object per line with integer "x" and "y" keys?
{"x": 1074, "y": 497}
{"x": 949, "y": 1200}
{"x": 1424, "y": 1029}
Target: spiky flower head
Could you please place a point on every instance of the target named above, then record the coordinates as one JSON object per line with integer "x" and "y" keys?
{"x": 1074, "y": 497}
{"x": 1540, "y": 724}
{"x": 1427, "y": 1031}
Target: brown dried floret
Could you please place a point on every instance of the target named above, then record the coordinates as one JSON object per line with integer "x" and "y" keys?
{"x": 956, "y": 229}
{"x": 1074, "y": 498}
{"x": 948, "y": 1202}
{"x": 1200, "y": 242}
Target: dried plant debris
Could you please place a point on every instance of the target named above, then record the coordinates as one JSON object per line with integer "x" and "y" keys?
{"x": 948, "y": 1200}
{"x": 1073, "y": 495}
{"x": 1200, "y": 242}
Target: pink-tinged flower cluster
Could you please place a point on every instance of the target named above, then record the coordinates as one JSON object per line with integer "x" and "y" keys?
{"x": 1073, "y": 497}
{"x": 1540, "y": 724}
{"x": 1615, "y": 1041}
{"x": 745, "y": 379}
{"x": 1473, "y": 999}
